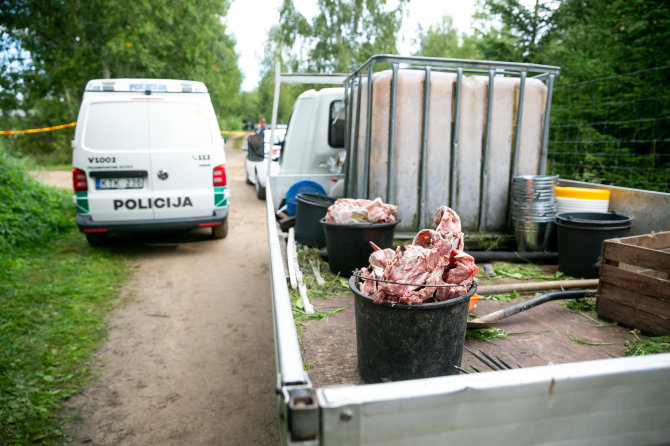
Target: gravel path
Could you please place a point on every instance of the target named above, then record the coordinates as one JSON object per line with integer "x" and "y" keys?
{"x": 189, "y": 359}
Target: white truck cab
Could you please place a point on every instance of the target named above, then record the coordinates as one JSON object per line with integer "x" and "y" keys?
{"x": 314, "y": 143}
{"x": 148, "y": 155}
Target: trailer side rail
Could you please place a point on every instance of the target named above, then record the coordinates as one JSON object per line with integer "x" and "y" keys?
{"x": 620, "y": 401}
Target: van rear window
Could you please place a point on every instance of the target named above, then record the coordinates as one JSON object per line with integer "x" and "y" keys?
{"x": 178, "y": 126}
{"x": 129, "y": 126}
{"x": 116, "y": 126}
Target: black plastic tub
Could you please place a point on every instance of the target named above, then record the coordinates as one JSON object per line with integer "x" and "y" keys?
{"x": 580, "y": 239}
{"x": 397, "y": 342}
{"x": 310, "y": 209}
{"x": 349, "y": 247}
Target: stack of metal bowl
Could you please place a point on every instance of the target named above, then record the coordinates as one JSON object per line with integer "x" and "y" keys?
{"x": 533, "y": 211}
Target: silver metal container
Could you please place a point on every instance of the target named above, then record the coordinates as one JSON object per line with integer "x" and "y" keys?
{"x": 533, "y": 211}
{"x": 533, "y": 235}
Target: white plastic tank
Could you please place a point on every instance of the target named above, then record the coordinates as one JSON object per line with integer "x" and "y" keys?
{"x": 471, "y": 135}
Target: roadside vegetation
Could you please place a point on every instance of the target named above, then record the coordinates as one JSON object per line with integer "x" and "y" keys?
{"x": 55, "y": 292}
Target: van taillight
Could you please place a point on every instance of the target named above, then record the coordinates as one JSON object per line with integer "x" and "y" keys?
{"x": 220, "y": 176}
{"x": 79, "y": 180}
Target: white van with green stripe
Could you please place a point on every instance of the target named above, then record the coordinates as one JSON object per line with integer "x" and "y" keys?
{"x": 148, "y": 155}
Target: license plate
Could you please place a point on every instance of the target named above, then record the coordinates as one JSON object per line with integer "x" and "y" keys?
{"x": 119, "y": 183}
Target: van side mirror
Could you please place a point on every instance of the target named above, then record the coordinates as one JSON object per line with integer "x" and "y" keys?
{"x": 336, "y": 123}
{"x": 256, "y": 147}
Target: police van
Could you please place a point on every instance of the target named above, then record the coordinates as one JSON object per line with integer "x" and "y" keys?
{"x": 148, "y": 155}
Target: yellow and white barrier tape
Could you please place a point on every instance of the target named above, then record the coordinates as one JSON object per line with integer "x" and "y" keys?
{"x": 231, "y": 132}
{"x": 72, "y": 124}
{"x": 45, "y": 129}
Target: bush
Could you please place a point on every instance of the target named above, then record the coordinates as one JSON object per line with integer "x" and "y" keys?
{"x": 31, "y": 213}
{"x": 231, "y": 123}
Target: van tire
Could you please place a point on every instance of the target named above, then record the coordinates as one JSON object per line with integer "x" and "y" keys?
{"x": 96, "y": 238}
{"x": 220, "y": 231}
{"x": 260, "y": 190}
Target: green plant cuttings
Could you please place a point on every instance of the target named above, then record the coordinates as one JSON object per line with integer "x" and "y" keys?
{"x": 585, "y": 341}
{"x": 485, "y": 334}
{"x": 300, "y": 316}
{"x": 579, "y": 305}
{"x": 503, "y": 297}
{"x": 333, "y": 285}
{"x": 648, "y": 346}
{"x": 526, "y": 271}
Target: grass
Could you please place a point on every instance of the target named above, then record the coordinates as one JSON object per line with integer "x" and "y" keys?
{"x": 488, "y": 243}
{"x": 334, "y": 285}
{"x": 485, "y": 334}
{"x": 586, "y": 307}
{"x": 54, "y": 295}
{"x": 647, "y": 346}
{"x": 580, "y": 305}
{"x": 238, "y": 141}
{"x": 300, "y": 316}
{"x": 585, "y": 341}
{"x": 519, "y": 271}
{"x": 526, "y": 271}
{"x": 31, "y": 213}
{"x": 54, "y": 302}
{"x": 503, "y": 297}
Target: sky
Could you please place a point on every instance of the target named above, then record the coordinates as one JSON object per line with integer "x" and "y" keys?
{"x": 249, "y": 21}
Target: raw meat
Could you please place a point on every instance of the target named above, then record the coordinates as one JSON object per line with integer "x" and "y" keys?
{"x": 435, "y": 257}
{"x": 350, "y": 211}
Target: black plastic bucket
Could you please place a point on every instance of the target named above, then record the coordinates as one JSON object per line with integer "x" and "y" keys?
{"x": 396, "y": 342}
{"x": 580, "y": 239}
{"x": 349, "y": 245}
{"x": 309, "y": 210}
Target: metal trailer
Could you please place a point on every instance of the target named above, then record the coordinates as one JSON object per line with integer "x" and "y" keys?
{"x": 619, "y": 401}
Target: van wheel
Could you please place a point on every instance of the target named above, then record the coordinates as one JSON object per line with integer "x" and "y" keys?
{"x": 220, "y": 231}
{"x": 96, "y": 238}
{"x": 260, "y": 190}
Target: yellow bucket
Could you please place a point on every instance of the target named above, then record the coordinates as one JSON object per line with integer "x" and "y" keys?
{"x": 582, "y": 193}
{"x": 580, "y": 199}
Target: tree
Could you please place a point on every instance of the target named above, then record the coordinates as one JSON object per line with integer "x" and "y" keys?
{"x": 53, "y": 48}
{"x": 442, "y": 40}
{"x": 523, "y": 29}
{"x": 343, "y": 35}
{"x": 595, "y": 38}
{"x": 616, "y": 126}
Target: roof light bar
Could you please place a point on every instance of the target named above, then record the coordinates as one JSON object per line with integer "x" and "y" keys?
{"x": 146, "y": 86}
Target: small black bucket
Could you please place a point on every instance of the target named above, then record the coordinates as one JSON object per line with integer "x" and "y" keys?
{"x": 349, "y": 247}
{"x": 310, "y": 208}
{"x": 396, "y": 342}
{"x": 580, "y": 239}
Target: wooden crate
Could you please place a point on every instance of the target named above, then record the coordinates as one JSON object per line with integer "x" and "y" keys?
{"x": 634, "y": 289}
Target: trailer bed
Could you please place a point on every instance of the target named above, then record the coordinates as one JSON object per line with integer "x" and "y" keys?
{"x": 546, "y": 334}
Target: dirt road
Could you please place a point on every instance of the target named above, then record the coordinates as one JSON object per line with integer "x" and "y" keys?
{"x": 190, "y": 358}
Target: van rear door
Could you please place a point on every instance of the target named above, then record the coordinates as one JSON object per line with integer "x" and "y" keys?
{"x": 115, "y": 155}
{"x": 185, "y": 146}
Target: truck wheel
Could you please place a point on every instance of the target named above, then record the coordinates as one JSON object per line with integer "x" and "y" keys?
{"x": 96, "y": 238}
{"x": 220, "y": 231}
{"x": 260, "y": 190}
